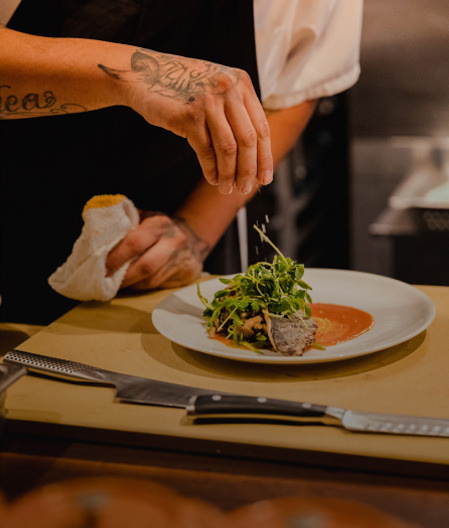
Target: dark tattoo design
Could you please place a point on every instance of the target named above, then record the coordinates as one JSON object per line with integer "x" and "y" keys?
{"x": 173, "y": 76}
{"x": 196, "y": 246}
{"x": 33, "y": 104}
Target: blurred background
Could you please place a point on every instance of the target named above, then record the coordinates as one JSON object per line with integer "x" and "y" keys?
{"x": 367, "y": 187}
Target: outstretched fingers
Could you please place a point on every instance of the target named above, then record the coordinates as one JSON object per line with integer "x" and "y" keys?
{"x": 230, "y": 134}
{"x": 235, "y": 148}
{"x": 226, "y": 147}
{"x": 264, "y": 152}
{"x": 201, "y": 142}
{"x": 246, "y": 142}
{"x": 240, "y": 135}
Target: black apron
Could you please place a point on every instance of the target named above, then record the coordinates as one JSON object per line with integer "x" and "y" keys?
{"x": 50, "y": 166}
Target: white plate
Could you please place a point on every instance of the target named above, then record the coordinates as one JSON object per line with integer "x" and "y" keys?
{"x": 400, "y": 312}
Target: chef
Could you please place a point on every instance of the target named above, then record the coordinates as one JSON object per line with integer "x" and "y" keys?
{"x": 176, "y": 127}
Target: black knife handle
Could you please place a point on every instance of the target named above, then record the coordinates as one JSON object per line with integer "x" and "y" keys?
{"x": 222, "y": 406}
{"x": 62, "y": 368}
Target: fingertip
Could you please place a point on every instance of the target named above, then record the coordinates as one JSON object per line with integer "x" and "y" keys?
{"x": 211, "y": 178}
{"x": 210, "y": 171}
{"x": 266, "y": 177}
{"x": 226, "y": 188}
{"x": 265, "y": 164}
{"x": 246, "y": 188}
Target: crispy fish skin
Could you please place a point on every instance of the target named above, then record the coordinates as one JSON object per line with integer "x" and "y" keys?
{"x": 291, "y": 336}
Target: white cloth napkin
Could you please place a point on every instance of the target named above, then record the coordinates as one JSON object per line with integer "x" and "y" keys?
{"x": 107, "y": 219}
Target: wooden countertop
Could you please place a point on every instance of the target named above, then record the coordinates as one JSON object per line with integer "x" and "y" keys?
{"x": 409, "y": 378}
{"x": 56, "y": 430}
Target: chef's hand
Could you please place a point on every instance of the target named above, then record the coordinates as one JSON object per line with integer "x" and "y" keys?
{"x": 165, "y": 253}
{"x": 213, "y": 106}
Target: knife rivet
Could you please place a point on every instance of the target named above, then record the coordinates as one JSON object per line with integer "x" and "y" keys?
{"x": 261, "y": 400}
{"x": 216, "y": 397}
{"x": 306, "y": 405}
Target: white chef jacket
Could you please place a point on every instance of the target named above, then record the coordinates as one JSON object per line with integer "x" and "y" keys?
{"x": 306, "y": 49}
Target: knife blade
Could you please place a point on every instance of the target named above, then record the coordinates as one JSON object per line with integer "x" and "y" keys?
{"x": 132, "y": 389}
{"x": 206, "y": 405}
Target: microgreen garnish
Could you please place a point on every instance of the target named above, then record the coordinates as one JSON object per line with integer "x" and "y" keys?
{"x": 274, "y": 288}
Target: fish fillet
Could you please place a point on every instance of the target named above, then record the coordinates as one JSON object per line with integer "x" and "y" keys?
{"x": 291, "y": 336}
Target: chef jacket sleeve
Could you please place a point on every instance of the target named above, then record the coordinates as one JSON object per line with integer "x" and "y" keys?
{"x": 306, "y": 49}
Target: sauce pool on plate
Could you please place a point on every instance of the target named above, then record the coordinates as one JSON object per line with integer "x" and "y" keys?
{"x": 338, "y": 323}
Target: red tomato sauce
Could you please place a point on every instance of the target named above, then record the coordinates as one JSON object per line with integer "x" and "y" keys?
{"x": 338, "y": 323}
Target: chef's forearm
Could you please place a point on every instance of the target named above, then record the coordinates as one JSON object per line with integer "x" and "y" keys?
{"x": 287, "y": 125}
{"x": 49, "y": 76}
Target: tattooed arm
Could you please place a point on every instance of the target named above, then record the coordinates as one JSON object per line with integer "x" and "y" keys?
{"x": 214, "y": 107}
{"x": 170, "y": 252}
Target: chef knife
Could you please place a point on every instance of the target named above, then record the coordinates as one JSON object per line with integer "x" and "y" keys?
{"x": 207, "y": 405}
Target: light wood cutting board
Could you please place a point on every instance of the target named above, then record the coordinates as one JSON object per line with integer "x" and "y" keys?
{"x": 411, "y": 378}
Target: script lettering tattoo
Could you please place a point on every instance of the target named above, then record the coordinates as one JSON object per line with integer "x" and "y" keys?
{"x": 13, "y": 106}
{"x": 173, "y": 76}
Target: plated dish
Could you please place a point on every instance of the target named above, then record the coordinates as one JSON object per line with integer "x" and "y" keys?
{"x": 400, "y": 312}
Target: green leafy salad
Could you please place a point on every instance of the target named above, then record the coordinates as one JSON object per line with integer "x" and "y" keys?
{"x": 239, "y": 311}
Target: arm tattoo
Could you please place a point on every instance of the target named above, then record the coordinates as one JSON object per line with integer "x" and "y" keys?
{"x": 174, "y": 76}
{"x": 199, "y": 247}
{"x": 32, "y": 104}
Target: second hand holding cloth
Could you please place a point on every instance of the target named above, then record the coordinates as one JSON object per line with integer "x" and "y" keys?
{"x": 83, "y": 276}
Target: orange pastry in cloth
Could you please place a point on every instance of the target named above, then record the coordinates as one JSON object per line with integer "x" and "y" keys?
{"x": 107, "y": 220}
